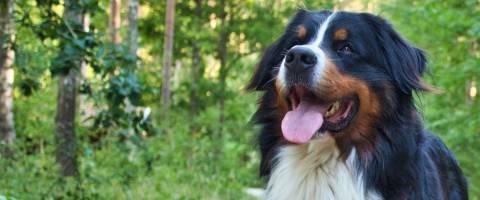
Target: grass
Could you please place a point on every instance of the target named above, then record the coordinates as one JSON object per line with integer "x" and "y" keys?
{"x": 174, "y": 164}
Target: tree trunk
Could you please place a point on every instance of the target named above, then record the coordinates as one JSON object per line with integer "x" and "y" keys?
{"x": 65, "y": 117}
{"x": 133, "y": 27}
{"x": 115, "y": 20}
{"x": 132, "y": 42}
{"x": 196, "y": 66}
{"x": 167, "y": 56}
{"x": 7, "y": 55}
{"x": 65, "y": 124}
{"x": 196, "y": 62}
{"x": 86, "y": 110}
{"x": 222, "y": 55}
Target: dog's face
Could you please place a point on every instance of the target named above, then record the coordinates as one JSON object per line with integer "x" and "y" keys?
{"x": 339, "y": 73}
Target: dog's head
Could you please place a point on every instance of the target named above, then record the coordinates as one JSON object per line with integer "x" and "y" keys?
{"x": 339, "y": 73}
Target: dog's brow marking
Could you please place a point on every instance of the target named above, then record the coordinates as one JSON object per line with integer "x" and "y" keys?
{"x": 321, "y": 32}
{"x": 341, "y": 34}
{"x": 301, "y": 32}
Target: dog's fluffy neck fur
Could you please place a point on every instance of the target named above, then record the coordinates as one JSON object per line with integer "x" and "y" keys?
{"x": 316, "y": 171}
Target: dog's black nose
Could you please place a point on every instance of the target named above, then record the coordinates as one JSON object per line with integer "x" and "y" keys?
{"x": 300, "y": 59}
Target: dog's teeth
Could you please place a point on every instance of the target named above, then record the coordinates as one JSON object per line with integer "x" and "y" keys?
{"x": 336, "y": 105}
{"x": 334, "y": 108}
{"x": 328, "y": 113}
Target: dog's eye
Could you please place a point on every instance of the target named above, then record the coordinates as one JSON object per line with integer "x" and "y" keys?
{"x": 345, "y": 49}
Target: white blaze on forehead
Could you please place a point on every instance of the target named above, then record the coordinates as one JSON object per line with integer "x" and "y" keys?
{"x": 321, "y": 32}
{"x": 314, "y": 45}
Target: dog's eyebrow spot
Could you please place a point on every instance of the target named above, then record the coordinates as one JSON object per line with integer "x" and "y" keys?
{"x": 301, "y": 32}
{"x": 340, "y": 34}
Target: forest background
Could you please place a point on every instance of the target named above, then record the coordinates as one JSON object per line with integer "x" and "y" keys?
{"x": 146, "y": 99}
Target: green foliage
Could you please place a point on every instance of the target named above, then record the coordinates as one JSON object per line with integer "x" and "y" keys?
{"x": 75, "y": 43}
{"x": 123, "y": 156}
{"x": 117, "y": 88}
{"x": 176, "y": 165}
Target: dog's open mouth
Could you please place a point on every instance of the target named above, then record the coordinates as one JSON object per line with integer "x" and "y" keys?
{"x": 310, "y": 116}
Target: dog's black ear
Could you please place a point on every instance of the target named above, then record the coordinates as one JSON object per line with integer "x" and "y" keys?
{"x": 404, "y": 63}
{"x": 270, "y": 62}
{"x": 264, "y": 74}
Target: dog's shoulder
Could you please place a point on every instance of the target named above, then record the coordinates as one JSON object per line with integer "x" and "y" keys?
{"x": 452, "y": 178}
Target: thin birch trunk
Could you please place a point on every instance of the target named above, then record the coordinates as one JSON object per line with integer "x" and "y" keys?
{"x": 222, "y": 55}
{"x": 7, "y": 55}
{"x": 196, "y": 67}
{"x": 167, "y": 56}
{"x": 115, "y": 20}
{"x": 86, "y": 109}
{"x": 133, "y": 26}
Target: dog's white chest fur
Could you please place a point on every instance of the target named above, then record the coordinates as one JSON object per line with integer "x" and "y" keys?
{"x": 314, "y": 171}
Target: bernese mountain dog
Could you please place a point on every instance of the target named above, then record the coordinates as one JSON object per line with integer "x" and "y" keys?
{"x": 338, "y": 116}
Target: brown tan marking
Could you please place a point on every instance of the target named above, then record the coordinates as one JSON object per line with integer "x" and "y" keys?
{"x": 301, "y": 32}
{"x": 336, "y": 85}
{"x": 340, "y": 34}
{"x": 282, "y": 103}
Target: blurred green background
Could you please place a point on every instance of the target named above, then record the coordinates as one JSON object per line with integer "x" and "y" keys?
{"x": 192, "y": 153}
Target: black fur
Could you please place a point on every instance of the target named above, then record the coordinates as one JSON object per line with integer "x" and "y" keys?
{"x": 407, "y": 161}
{"x": 404, "y": 63}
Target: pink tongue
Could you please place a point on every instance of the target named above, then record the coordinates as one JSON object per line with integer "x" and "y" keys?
{"x": 299, "y": 125}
